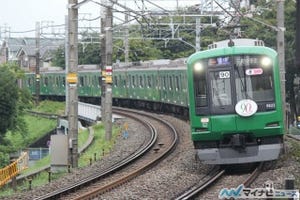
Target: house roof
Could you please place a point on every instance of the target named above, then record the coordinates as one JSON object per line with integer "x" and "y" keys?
{"x": 28, "y": 45}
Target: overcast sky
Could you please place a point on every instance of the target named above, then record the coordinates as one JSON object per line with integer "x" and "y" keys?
{"x": 22, "y": 15}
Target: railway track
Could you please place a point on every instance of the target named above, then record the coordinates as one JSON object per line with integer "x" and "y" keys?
{"x": 160, "y": 145}
{"x": 205, "y": 182}
{"x": 212, "y": 177}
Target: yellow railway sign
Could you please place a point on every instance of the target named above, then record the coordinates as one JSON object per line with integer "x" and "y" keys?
{"x": 72, "y": 78}
{"x": 108, "y": 79}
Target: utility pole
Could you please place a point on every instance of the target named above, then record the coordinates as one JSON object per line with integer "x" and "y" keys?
{"x": 280, "y": 50}
{"x": 297, "y": 56}
{"x": 198, "y": 33}
{"x": 67, "y": 62}
{"x": 37, "y": 62}
{"x": 72, "y": 81}
{"x": 103, "y": 59}
{"x": 126, "y": 39}
{"x": 108, "y": 72}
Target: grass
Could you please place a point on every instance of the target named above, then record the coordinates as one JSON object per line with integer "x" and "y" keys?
{"x": 52, "y": 107}
{"x": 40, "y": 125}
{"x": 37, "y": 127}
{"x": 99, "y": 145}
{"x": 97, "y": 148}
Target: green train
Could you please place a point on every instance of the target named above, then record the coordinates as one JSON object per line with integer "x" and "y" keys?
{"x": 159, "y": 85}
{"x": 231, "y": 94}
{"x": 235, "y": 102}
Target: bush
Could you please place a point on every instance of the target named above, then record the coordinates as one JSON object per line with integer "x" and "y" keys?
{"x": 4, "y": 159}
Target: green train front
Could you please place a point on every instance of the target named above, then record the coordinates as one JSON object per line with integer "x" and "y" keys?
{"x": 235, "y": 104}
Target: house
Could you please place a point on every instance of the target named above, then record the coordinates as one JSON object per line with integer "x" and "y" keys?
{"x": 23, "y": 51}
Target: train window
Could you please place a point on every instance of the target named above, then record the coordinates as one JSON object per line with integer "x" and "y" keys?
{"x": 171, "y": 83}
{"x": 120, "y": 81}
{"x": 200, "y": 89}
{"x": 63, "y": 81}
{"x": 149, "y": 82}
{"x": 124, "y": 82}
{"x": 163, "y": 82}
{"x": 46, "y": 81}
{"x": 29, "y": 82}
{"x": 253, "y": 80}
{"x": 99, "y": 81}
{"x": 177, "y": 82}
{"x": 129, "y": 81}
{"x": 141, "y": 81}
{"x": 220, "y": 88}
{"x": 115, "y": 81}
{"x": 81, "y": 81}
{"x": 133, "y": 81}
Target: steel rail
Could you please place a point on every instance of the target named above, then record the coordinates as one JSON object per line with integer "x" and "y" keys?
{"x": 209, "y": 179}
{"x": 97, "y": 176}
{"x": 98, "y": 191}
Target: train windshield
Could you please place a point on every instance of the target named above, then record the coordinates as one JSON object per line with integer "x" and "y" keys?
{"x": 254, "y": 78}
{"x": 221, "y": 82}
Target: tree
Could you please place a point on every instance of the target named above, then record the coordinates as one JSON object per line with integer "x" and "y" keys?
{"x": 8, "y": 99}
{"x": 59, "y": 57}
{"x": 13, "y": 101}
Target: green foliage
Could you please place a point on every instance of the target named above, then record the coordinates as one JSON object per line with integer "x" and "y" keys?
{"x": 98, "y": 145}
{"x": 53, "y": 107}
{"x": 36, "y": 127}
{"x": 89, "y": 53}
{"x": 4, "y": 159}
{"x": 8, "y": 99}
{"x": 59, "y": 57}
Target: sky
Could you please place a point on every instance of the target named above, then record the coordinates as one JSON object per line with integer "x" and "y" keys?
{"x": 21, "y": 15}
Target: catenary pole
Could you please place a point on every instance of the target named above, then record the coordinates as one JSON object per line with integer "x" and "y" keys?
{"x": 103, "y": 59}
{"x": 72, "y": 81}
{"x": 281, "y": 54}
{"x": 37, "y": 62}
{"x": 108, "y": 69}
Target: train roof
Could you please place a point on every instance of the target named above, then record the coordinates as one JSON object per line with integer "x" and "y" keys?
{"x": 152, "y": 65}
{"x": 162, "y": 64}
{"x": 236, "y": 42}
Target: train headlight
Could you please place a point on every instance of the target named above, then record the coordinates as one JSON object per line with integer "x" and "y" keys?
{"x": 266, "y": 61}
{"x": 198, "y": 67}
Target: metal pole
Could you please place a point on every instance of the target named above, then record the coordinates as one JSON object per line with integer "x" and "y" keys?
{"x": 126, "y": 40}
{"x": 281, "y": 54}
{"x": 103, "y": 60}
{"x": 297, "y": 56}
{"x": 108, "y": 92}
{"x": 72, "y": 72}
{"x": 198, "y": 32}
{"x": 67, "y": 62}
{"x": 37, "y": 61}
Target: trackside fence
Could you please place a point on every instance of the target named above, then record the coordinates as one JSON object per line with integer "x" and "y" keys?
{"x": 14, "y": 168}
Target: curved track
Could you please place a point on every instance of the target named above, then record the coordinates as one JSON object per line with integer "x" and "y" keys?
{"x": 205, "y": 182}
{"x": 92, "y": 186}
{"x": 215, "y": 174}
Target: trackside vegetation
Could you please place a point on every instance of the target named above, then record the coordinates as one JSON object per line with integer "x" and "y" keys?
{"x": 96, "y": 150}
